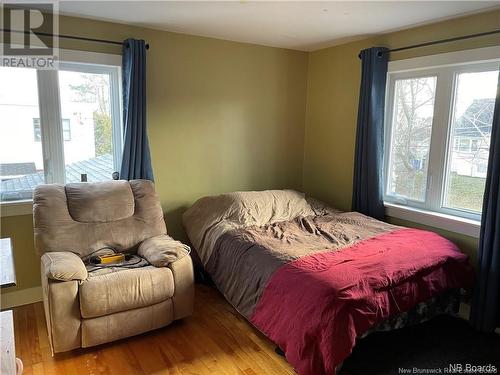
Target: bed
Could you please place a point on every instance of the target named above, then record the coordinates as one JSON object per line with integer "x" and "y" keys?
{"x": 314, "y": 279}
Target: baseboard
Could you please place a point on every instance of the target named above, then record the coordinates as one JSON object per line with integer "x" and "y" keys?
{"x": 20, "y": 297}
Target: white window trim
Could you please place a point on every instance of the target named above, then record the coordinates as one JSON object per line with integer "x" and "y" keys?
{"x": 471, "y": 56}
{"x": 435, "y": 65}
{"x": 71, "y": 59}
{"x": 439, "y": 220}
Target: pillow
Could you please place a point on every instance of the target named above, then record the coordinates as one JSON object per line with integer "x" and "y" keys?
{"x": 209, "y": 217}
{"x": 269, "y": 206}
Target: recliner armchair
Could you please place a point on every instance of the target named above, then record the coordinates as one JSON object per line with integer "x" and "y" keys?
{"x": 83, "y": 308}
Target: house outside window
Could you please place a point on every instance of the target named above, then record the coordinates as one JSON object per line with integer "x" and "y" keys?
{"x": 66, "y": 128}
{"x": 37, "y": 131}
{"x": 438, "y": 130}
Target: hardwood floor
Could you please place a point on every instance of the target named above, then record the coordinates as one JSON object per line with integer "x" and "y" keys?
{"x": 215, "y": 340}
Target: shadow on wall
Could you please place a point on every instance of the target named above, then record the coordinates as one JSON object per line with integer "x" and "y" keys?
{"x": 173, "y": 219}
{"x": 175, "y": 229}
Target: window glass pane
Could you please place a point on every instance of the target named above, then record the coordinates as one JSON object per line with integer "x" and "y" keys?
{"x": 411, "y": 137}
{"x": 472, "y": 119}
{"x": 21, "y": 158}
{"x": 87, "y": 126}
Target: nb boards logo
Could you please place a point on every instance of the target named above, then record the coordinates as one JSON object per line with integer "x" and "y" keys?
{"x": 30, "y": 35}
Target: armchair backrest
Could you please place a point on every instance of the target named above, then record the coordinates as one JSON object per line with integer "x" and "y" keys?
{"x": 85, "y": 217}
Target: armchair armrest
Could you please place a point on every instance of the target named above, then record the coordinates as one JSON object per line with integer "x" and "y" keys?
{"x": 162, "y": 250}
{"x": 63, "y": 266}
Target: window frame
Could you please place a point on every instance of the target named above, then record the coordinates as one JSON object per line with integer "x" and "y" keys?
{"x": 390, "y": 110}
{"x": 446, "y": 67}
{"x": 52, "y": 137}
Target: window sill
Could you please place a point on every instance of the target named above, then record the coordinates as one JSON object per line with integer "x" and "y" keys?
{"x": 451, "y": 223}
{"x": 18, "y": 208}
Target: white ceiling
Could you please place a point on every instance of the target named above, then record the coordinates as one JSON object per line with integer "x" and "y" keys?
{"x": 301, "y": 25}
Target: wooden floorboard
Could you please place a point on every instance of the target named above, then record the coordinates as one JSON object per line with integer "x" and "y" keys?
{"x": 215, "y": 340}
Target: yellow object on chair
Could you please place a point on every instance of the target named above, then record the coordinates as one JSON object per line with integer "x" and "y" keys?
{"x": 114, "y": 258}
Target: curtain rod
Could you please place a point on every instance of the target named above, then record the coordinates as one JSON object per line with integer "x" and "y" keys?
{"x": 39, "y": 33}
{"x": 444, "y": 41}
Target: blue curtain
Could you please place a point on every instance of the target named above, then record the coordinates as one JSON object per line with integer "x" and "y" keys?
{"x": 485, "y": 309}
{"x": 367, "y": 195}
{"x": 136, "y": 159}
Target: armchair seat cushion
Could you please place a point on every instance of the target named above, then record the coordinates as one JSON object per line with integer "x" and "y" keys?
{"x": 104, "y": 293}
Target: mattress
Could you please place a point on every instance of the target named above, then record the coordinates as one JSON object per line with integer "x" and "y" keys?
{"x": 314, "y": 279}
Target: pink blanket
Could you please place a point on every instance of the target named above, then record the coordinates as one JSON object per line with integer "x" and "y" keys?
{"x": 314, "y": 308}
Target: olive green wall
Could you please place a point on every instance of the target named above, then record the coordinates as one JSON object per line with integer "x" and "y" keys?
{"x": 332, "y": 104}
{"x": 26, "y": 263}
{"x": 222, "y": 116}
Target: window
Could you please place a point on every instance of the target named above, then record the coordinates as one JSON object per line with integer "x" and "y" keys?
{"x": 474, "y": 146}
{"x": 482, "y": 168}
{"x": 472, "y": 118}
{"x": 464, "y": 145}
{"x": 38, "y": 131}
{"x": 411, "y": 137}
{"x": 438, "y": 129}
{"x": 66, "y": 128}
{"x": 57, "y": 125}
